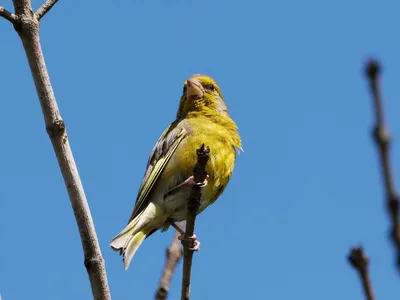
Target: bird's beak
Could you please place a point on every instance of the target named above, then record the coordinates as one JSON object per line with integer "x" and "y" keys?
{"x": 194, "y": 89}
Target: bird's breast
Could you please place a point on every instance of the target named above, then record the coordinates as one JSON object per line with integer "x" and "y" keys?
{"x": 219, "y": 167}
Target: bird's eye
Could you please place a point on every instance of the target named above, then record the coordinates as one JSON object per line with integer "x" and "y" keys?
{"x": 209, "y": 87}
{"x": 184, "y": 89}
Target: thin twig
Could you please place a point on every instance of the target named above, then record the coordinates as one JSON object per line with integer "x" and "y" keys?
{"x": 383, "y": 140}
{"x": 45, "y": 8}
{"x": 28, "y": 31}
{"x": 7, "y": 15}
{"x": 174, "y": 254}
{"x": 360, "y": 261}
{"x": 200, "y": 174}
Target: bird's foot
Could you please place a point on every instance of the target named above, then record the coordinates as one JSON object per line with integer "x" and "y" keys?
{"x": 190, "y": 181}
{"x": 192, "y": 242}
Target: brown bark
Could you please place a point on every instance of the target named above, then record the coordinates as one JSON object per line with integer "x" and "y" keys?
{"x": 360, "y": 261}
{"x": 27, "y": 26}
{"x": 199, "y": 173}
{"x": 382, "y": 141}
{"x": 173, "y": 255}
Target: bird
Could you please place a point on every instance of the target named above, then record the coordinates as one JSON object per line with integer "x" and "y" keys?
{"x": 202, "y": 118}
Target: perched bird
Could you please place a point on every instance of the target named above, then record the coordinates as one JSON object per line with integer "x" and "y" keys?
{"x": 202, "y": 118}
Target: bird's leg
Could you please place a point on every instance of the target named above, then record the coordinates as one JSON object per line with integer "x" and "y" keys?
{"x": 189, "y": 181}
{"x": 177, "y": 228}
{"x": 192, "y": 240}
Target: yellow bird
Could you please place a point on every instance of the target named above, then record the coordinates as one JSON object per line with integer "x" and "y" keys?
{"x": 202, "y": 118}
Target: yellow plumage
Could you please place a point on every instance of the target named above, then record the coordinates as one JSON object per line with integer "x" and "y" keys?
{"x": 202, "y": 118}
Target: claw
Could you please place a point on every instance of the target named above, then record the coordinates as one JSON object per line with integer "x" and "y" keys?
{"x": 191, "y": 181}
{"x": 196, "y": 246}
{"x": 193, "y": 240}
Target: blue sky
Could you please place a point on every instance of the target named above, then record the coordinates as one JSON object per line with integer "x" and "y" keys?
{"x": 305, "y": 190}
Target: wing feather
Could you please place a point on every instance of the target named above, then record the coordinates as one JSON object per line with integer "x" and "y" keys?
{"x": 159, "y": 157}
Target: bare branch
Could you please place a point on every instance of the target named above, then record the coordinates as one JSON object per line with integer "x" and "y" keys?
{"x": 174, "y": 253}
{"x": 22, "y": 6}
{"x": 7, "y": 15}
{"x": 45, "y": 8}
{"x": 360, "y": 261}
{"x": 383, "y": 140}
{"x": 199, "y": 173}
{"x": 28, "y": 31}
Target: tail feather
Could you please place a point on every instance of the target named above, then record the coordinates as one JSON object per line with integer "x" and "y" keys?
{"x": 121, "y": 240}
{"x": 127, "y": 244}
{"x": 128, "y": 240}
{"x": 132, "y": 245}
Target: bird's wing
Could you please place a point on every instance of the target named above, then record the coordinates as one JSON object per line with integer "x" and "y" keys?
{"x": 159, "y": 157}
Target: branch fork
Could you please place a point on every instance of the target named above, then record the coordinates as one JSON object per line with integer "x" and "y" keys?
{"x": 26, "y": 23}
{"x": 21, "y": 5}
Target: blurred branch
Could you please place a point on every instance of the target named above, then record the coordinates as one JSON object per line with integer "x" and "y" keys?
{"x": 7, "y": 15}
{"x": 45, "y": 8}
{"x": 360, "y": 261}
{"x": 28, "y": 31}
{"x": 199, "y": 173}
{"x": 174, "y": 254}
{"x": 383, "y": 140}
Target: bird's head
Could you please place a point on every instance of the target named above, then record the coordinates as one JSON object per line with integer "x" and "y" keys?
{"x": 201, "y": 94}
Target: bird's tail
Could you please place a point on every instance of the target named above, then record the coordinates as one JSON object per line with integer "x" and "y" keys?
{"x": 133, "y": 243}
{"x": 129, "y": 239}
